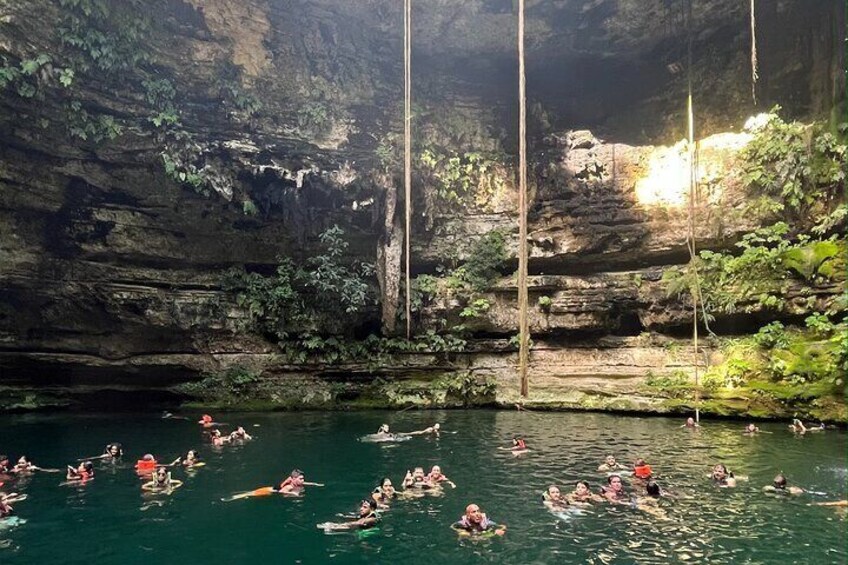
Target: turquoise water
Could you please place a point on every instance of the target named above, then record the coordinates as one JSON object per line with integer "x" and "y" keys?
{"x": 110, "y": 521}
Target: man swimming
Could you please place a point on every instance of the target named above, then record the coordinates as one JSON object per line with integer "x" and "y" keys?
{"x": 417, "y": 479}
{"x": 81, "y": 474}
{"x": 240, "y": 434}
{"x": 751, "y": 429}
{"x": 780, "y": 486}
{"x": 367, "y": 519}
{"x": 610, "y": 464}
{"x": 554, "y": 500}
{"x": 476, "y": 522}
{"x": 294, "y": 483}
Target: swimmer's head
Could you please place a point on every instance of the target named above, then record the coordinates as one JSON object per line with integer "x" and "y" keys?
{"x": 161, "y": 474}
{"x": 366, "y": 506}
{"x": 297, "y": 477}
{"x": 436, "y": 427}
{"x": 87, "y": 466}
{"x": 639, "y": 463}
{"x": 610, "y": 460}
{"x": 690, "y": 421}
{"x": 436, "y": 470}
{"x": 148, "y": 457}
{"x": 720, "y": 471}
{"x": 473, "y": 513}
{"x": 780, "y": 481}
{"x": 581, "y": 488}
{"x": 386, "y": 485}
{"x": 615, "y": 482}
{"x": 750, "y": 428}
{"x": 22, "y": 460}
{"x": 384, "y": 429}
{"x": 114, "y": 449}
{"x": 653, "y": 489}
{"x": 554, "y": 492}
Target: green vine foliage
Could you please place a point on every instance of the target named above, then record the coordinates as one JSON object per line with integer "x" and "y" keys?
{"x": 462, "y": 177}
{"x": 307, "y": 300}
{"x": 796, "y": 171}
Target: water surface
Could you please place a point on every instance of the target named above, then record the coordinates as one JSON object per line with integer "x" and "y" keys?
{"x": 110, "y": 521}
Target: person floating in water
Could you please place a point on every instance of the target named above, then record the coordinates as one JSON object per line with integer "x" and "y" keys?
{"x": 206, "y": 421}
{"x": 4, "y": 465}
{"x": 475, "y": 522}
{"x": 112, "y": 452}
{"x": 146, "y": 465}
{"x": 192, "y": 459}
{"x": 81, "y": 474}
{"x": 368, "y": 518}
{"x": 650, "y": 502}
{"x": 554, "y": 500}
{"x": 417, "y": 479}
{"x": 384, "y": 493}
{"x": 294, "y": 483}
{"x": 780, "y": 486}
{"x": 690, "y": 423}
{"x": 582, "y": 495}
{"x": 25, "y": 467}
{"x": 798, "y": 427}
{"x": 217, "y": 439}
{"x": 641, "y": 470}
{"x": 614, "y": 491}
{"x": 240, "y": 434}
{"x": 162, "y": 482}
{"x": 436, "y": 477}
{"x": 434, "y": 429}
{"x": 722, "y": 477}
{"x": 6, "y": 501}
{"x": 610, "y": 464}
{"x": 519, "y": 446}
{"x": 751, "y": 429}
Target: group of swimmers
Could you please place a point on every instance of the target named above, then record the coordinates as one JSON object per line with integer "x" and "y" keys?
{"x": 416, "y": 482}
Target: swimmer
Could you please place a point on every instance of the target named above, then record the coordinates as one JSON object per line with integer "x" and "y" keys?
{"x": 4, "y": 464}
{"x": 751, "y": 429}
{"x": 417, "y": 479}
{"x": 582, "y": 495}
{"x": 25, "y": 467}
{"x": 436, "y": 477}
{"x": 294, "y": 483}
{"x": 434, "y": 429}
{"x": 519, "y": 446}
{"x": 367, "y": 519}
{"x": 206, "y": 421}
{"x": 614, "y": 491}
{"x": 384, "y": 493}
{"x": 81, "y": 474}
{"x": 553, "y": 499}
{"x": 240, "y": 435}
{"x": 610, "y": 464}
{"x": 162, "y": 481}
{"x": 192, "y": 459}
{"x": 476, "y": 522}
{"x": 641, "y": 470}
{"x": 798, "y": 427}
{"x": 217, "y": 439}
{"x": 690, "y": 423}
{"x": 113, "y": 452}
{"x": 6, "y": 509}
{"x": 779, "y": 486}
{"x": 650, "y": 503}
{"x": 722, "y": 477}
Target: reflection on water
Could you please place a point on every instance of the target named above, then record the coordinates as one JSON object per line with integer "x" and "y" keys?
{"x": 110, "y": 520}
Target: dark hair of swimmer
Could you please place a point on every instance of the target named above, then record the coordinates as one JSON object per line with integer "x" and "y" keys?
{"x": 653, "y": 489}
{"x": 296, "y": 473}
{"x": 780, "y": 481}
{"x": 88, "y": 466}
{"x": 372, "y": 504}
{"x": 383, "y": 481}
{"x": 611, "y": 477}
{"x": 584, "y": 483}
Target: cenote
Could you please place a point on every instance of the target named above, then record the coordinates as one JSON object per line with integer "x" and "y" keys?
{"x": 583, "y": 221}
{"x": 110, "y": 521}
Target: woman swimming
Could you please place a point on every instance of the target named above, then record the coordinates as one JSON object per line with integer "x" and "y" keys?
{"x": 240, "y": 435}
{"x": 81, "y": 474}
{"x": 192, "y": 459}
{"x": 384, "y": 493}
{"x": 25, "y": 467}
{"x": 614, "y": 491}
{"x": 436, "y": 477}
{"x": 162, "y": 482}
{"x": 554, "y": 500}
{"x": 641, "y": 470}
{"x": 582, "y": 494}
{"x": 722, "y": 477}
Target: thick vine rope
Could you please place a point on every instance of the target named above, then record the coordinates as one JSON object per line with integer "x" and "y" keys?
{"x": 523, "y": 326}
{"x": 407, "y": 151}
{"x": 754, "y": 74}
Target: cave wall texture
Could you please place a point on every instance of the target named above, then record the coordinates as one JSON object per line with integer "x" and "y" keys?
{"x": 275, "y": 113}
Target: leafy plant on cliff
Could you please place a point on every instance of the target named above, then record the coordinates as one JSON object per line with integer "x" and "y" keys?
{"x": 319, "y": 297}
{"x": 798, "y": 170}
{"x": 460, "y": 176}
